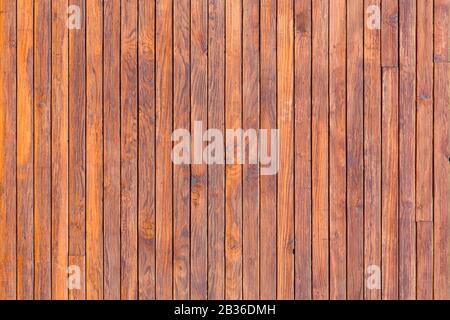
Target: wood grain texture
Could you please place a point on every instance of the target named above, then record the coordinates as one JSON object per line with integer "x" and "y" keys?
{"x": 92, "y": 205}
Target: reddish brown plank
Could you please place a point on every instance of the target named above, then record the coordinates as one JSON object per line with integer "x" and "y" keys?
{"x": 268, "y": 200}
{"x": 389, "y": 33}
{"x": 250, "y": 173}
{"x": 216, "y": 172}
{"x": 441, "y": 34}
{"x": 8, "y": 99}
{"x": 425, "y": 260}
{"x": 60, "y": 150}
{"x": 25, "y": 196}
{"x": 355, "y": 195}
{"x": 146, "y": 169}
{"x": 164, "y": 117}
{"x": 320, "y": 154}
{"x": 337, "y": 182}
{"x": 111, "y": 149}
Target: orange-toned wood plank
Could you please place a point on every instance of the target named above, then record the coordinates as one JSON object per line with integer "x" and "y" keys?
{"x": 199, "y": 179}
{"x": 355, "y": 195}
{"x": 164, "y": 118}
{"x": 441, "y": 34}
{"x": 372, "y": 151}
{"x": 8, "y": 96}
{"x": 94, "y": 150}
{"x": 129, "y": 144}
{"x": 338, "y": 223}
{"x": 407, "y": 150}
{"x": 216, "y": 172}
{"x": 250, "y": 174}
{"x": 303, "y": 58}
{"x": 285, "y": 124}
{"x": 233, "y": 120}
{"x": 389, "y": 186}
{"x": 320, "y": 166}
{"x": 25, "y": 196}
{"x": 268, "y": 215}
{"x": 42, "y": 149}
{"x": 77, "y": 155}
{"x": 60, "y": 150}
{"x": 146, "y": 169}
{"x": 425, "y": 260}
{"x": 111, "y": 149}
{"x": 181, "y": 172}
{"x": 389, "y": 33}
{"x": 441, "y": 181}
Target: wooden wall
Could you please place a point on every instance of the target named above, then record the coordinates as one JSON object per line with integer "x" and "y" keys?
{"x": 359, "y": 209}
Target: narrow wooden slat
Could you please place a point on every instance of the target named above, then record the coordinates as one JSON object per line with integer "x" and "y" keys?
{"x": 372, "y": 152}
{"x": 199, "y": 178}
{"x": 25, "y": 225}
{"x": 111, "y": 148}
{"x": 60, "y": 150}
{"x": 233, "y": 174}
{"x": 77, "y": 144}
{"x": 389, "y": 33}
{"x": 441, "y": 178}
{"x": 268, "y": 183}
{"x": 441, "y": 27}
{"x": 389, "y": 186}
{"x": 129, "y": 144}
{"x": 355, "y": 196}
{"x": 42, "y": 149}
{"x": 302, "y": 200}
{"x": 164, "y": 117}
{"x": 424, "y": 260}
{"x": 181, "y": 172}
{"x": 250, "y": 174}
{"x": 8, "y": 99}
{"x": 146, "y": 169}
{"x": 216, "y": 172}
{"x": 94, "y": 150}
{"x": 424, "y": 149}
{"x": 320, "y": 155}
{"x": 337, "y": 184}
{"x": 407, "y": 120}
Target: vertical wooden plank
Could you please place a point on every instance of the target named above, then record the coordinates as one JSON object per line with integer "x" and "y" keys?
{"x": 60, "y": 150}
{"x": 146, "y": 169}
{"x": 111, "y": 149}
{"x": 424, "y": 151}
{"x": 355, "y": 195}
{"x": 285, "y": 123}
{"x": 42, "y": 143}
{"x": 389, "y": 33}
{"x": 302, "y": 85}
{"x": 268, "y": 183}
{"x": 128, "y": 157}
{"x": 233, "y": 120}
{"x": 441, "y": 181}
{"x": 441, "y": 27}
{"x": 94, "y": 150}
{"x": 407, "y": 150}
{"x": 425, "y": 260}
{"x": 181, "y": 172}
{"x": 372, "y": 151}
{"x": 389, "y": 186}
{"x": 164, "y": 118}
{"x": 250, "y": 174}
{"x": 216, "y": 172}
{"x": 199, "y": 178}
{"x": 25, "y": 225}
{"x": 338, "y": 223}
{"x": 8, "y": 96}
{"x": 77, "y": 143}
{"x": 320, "y": 156}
